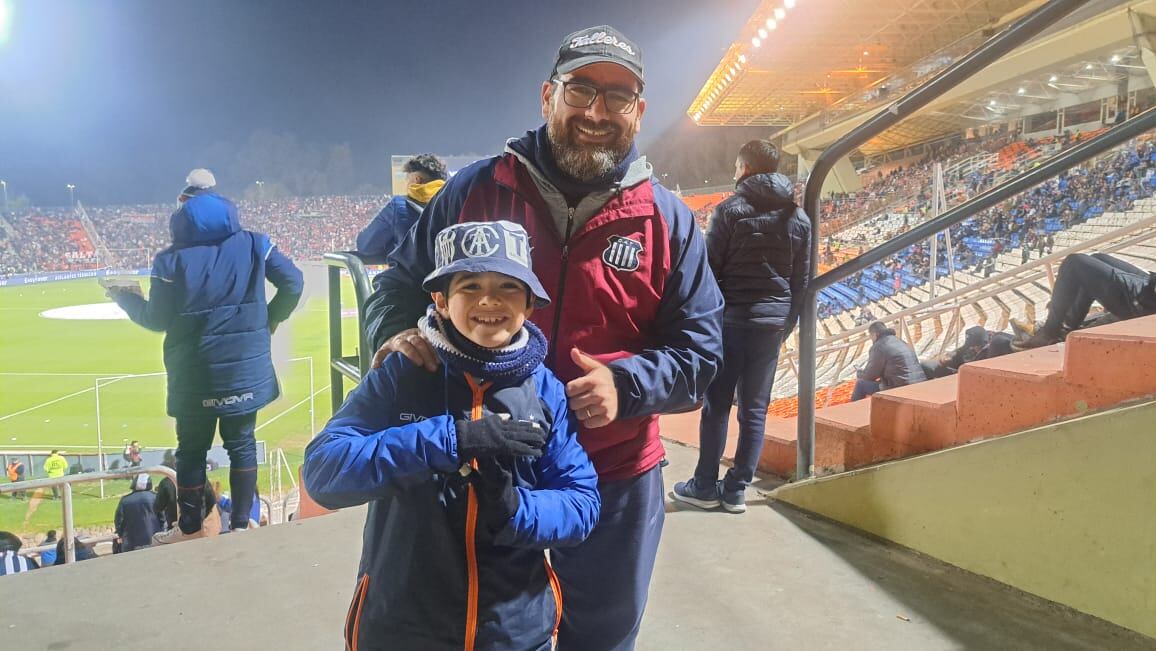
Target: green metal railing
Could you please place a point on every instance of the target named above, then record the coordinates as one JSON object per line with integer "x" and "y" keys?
{"x": 343, "y": 366}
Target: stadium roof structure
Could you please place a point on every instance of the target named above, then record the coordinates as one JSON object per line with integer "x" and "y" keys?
{"x": 819, "y": 67}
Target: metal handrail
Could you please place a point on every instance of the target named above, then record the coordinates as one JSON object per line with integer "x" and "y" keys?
{"x": 68, "y": 480}
{"x": 341, "y": 366}
{"x": 992, "y": 288}
{"x": 992, "y": 50}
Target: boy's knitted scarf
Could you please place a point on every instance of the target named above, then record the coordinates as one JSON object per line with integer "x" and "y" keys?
{"x": 514, "y": 362}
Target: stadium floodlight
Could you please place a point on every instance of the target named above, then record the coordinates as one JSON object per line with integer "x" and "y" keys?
{"x": 780, "y": 13}
{"x": 772, "y": 24}
{"x": 789, "y": 4}
{"x": 698, "y": 116}
{"x": 1089, "y": 67}
{"x": 762, "y": 33}
{"x": 5, "y": 21}
{"x": 742, "y": 58}
{"x": 1053, "y": 79}
{"x": 1115, "y": 58}
{"x": 756, "y": 42}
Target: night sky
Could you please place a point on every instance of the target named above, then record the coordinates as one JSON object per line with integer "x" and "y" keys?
{"x": 123, "y": 97}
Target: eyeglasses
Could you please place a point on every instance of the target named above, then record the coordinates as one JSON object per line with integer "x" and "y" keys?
{"x": 579, "y": 95}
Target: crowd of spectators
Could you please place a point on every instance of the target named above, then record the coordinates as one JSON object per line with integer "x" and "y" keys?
{"x": 42, "y": 240}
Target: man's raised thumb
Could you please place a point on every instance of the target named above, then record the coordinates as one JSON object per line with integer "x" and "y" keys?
{"x": 584, "y": 361}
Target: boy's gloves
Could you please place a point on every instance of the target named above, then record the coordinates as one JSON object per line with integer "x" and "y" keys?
{"x": 494, "y": 483}
{"x": 497, "y": 435}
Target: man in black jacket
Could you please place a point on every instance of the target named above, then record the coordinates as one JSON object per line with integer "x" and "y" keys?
{"x": 759, "y": 248}
{"x": 136, "y": 523}
{"x": 891, "y": 363}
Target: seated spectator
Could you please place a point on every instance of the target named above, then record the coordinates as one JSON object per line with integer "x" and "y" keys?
{"x": 1126, "y": 292}
{"x": 11, "y": 562}
{"x": 165, "y": 505}
{"x": 49, "y": 557}
{"x": 84, "y": 551}
{"x": 891, "y": 363}
{"x": 135, "y": 520}
{"x": 425, "y": 175}
{"x": 978, "y": 343}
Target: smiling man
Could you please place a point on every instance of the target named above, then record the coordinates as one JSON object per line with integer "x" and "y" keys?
{"x": 634, "y": 329}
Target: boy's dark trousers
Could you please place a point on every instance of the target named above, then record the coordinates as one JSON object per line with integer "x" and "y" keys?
{"x": 750, "y": 355}
{"x": 1083, "y": 279}
{"x": 194, "y": 438}
{"x": 606, "y": 579}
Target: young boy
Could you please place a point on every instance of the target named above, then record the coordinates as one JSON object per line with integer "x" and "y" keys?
{"x": 470, "y": 472}
{"x": 208, "y": 296}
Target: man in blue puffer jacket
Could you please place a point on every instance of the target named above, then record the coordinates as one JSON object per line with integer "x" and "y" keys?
{"x": 207, "y": 295}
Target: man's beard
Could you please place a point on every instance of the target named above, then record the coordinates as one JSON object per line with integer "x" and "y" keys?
{"x": 587, "y": 162}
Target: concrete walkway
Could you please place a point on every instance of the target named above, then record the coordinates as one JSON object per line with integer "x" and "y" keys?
{"x": 772, "y": 578}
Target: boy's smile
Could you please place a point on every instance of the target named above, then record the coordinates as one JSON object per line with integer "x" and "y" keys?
{"x": 487, "y": 308}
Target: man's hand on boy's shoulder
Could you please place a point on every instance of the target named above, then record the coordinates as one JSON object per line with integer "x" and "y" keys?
{"x": 593, "y": 397}
{"x": 413, "y": 345}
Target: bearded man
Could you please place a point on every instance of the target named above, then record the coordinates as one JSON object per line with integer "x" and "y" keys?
{"x": 635, "y": 326}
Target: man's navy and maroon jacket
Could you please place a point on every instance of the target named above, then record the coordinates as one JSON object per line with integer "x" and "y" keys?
{"x": 627, "y": 270}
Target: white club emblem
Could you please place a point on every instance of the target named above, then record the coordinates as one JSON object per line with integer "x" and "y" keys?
{"x": 445, "y": 247}
{"x": 480, "y": 242}
{"x": 622, "y": 253}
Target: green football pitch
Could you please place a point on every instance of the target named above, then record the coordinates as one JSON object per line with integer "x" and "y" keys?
{"x": 67, "y": 382}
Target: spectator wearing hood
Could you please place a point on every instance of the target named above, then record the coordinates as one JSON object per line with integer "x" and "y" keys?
{"x": 891, "y": 363}
{"x": 207, "y": 295}
{"x": 759, "y": 248}
{"x": 135, "y": 520}
{"x": 424, "y": 175}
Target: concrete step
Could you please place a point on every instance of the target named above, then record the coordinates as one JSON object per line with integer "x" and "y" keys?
{"x": 1010, "y": 393}
{"x": 913, "y": 419}
{"x": 1109, "y": 364}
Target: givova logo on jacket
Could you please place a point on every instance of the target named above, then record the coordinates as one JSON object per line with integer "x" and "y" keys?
{"x": 622, "y": 253}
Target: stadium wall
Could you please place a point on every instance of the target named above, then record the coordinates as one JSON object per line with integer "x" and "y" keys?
{"x": 56, "y": 276}
{"x": 1066, "y": 511}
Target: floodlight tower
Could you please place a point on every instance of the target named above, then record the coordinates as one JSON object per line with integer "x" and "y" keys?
{"x": 4, "y": 188}
{"x": 71, "y": 195}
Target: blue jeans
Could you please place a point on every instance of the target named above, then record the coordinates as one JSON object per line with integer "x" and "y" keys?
{"x": 194, "y": 438}
{"x": 749, "y": 359}
{"x": 864, "y": 388}
{"x": 606, "y": 579}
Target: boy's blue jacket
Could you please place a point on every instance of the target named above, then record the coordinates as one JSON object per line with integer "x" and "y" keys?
{"x": 426, "y": 548}
{"x": 207, "y": 295}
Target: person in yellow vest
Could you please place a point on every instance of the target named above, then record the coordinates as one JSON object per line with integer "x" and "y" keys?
{"x": 55, "y": 466}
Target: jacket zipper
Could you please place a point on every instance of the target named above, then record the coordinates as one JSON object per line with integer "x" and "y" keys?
{"x": 559, "y": 295}
{"x": 479, "y": 391}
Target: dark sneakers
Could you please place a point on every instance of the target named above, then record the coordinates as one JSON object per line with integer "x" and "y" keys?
{"x": 690, "y": 492}
{"x": 709, "y": 497}
{"x": 732, "y": 501}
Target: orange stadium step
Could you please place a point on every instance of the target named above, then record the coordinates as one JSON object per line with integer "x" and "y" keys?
{"x": 913, "y": 419}
{"x": 1010, "y": 393}
{"x": 1095, "y": 369}
{"x": 1113, "y": 363}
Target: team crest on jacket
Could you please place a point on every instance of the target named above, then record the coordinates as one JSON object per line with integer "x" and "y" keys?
{"x": 622, "y": 253}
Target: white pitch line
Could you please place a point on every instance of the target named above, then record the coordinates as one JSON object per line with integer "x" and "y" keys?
{"x": 289, "y": 409}
{"x": 108, "y": 375}
{"x": 50, "y": 402}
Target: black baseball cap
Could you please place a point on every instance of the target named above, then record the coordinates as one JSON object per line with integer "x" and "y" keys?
{"x": 601, "y": 44}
